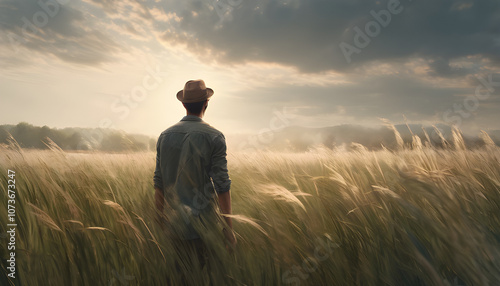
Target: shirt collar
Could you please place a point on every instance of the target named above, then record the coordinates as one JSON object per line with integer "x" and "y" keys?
{"x": 191, "y": 118}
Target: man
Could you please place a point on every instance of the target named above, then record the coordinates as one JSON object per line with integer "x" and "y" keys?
{"x": 191, "y": 167}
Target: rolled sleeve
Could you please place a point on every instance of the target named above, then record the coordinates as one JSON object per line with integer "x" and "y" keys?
{"x": 219, "y": 172}
{"x": 157, "y": 179}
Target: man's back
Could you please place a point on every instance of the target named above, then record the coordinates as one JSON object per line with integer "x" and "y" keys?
{"x": 190, "y": 156}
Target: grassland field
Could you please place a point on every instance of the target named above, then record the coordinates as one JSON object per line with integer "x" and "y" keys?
{"x": 414, "y": 216}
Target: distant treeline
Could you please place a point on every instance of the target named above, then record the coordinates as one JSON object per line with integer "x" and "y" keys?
{"x": 109, "y": 140}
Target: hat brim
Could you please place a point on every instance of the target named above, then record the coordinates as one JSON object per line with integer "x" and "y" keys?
{"x": 208, "y": 95}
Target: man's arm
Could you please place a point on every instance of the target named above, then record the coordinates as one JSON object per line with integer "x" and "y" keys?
{"x": 219, "y": 172}
{"x": 222, "y": 183}
{"x": 159, "y": 199}
{"x": 158, "y": 182}
{"x": 225, "y": 206}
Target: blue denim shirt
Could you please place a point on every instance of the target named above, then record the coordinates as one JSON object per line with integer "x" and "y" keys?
{"x": 191, "y": 166}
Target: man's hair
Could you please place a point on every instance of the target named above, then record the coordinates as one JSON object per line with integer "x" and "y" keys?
{"x": 194, "y": 107}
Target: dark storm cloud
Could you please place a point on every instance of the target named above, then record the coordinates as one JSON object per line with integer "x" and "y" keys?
{"x": 307, "y": 34}
{"x": 52, "y": 27}
{"x": 441, "y": 67}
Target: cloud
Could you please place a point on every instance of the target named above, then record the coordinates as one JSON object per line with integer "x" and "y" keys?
{"x": 377, "y": 96}
{"x": 109, "y": 5}
{"x": 125, "y": 9}
{"x": 301, "y": 34}
{"x": 161, "y": 16}
{"x": 50, "y": 28}
{"x": 307, "y": 34}
{"x": 441, "y": 67}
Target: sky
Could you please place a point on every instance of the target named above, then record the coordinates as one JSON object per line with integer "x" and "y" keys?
{"x": 271, "y": 63}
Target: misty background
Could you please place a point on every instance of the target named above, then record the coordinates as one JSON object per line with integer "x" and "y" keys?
{"x": 291, "y": 139}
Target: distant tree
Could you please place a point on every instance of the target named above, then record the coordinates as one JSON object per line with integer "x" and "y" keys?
{"x": 43, "y": 132}
{"x": 136, "y": 144}
{"x": 25, "y": 135}
{"x": 116, "y": 142}
{"x": 74, "y": 142}
{"x": 3, "y": 135}
{"x": 152, "y": 144}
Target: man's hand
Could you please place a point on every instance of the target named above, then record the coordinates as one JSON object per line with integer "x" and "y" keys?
{"x": 225, "y": 205}
{"x": 159, "y": 219}
{"x": 230, "y": 238}
{"x": 159, "y": 199}
{"x": 159, "y": 203}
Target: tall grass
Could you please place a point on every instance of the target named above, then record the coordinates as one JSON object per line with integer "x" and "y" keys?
{"x": 414, "y": 216}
